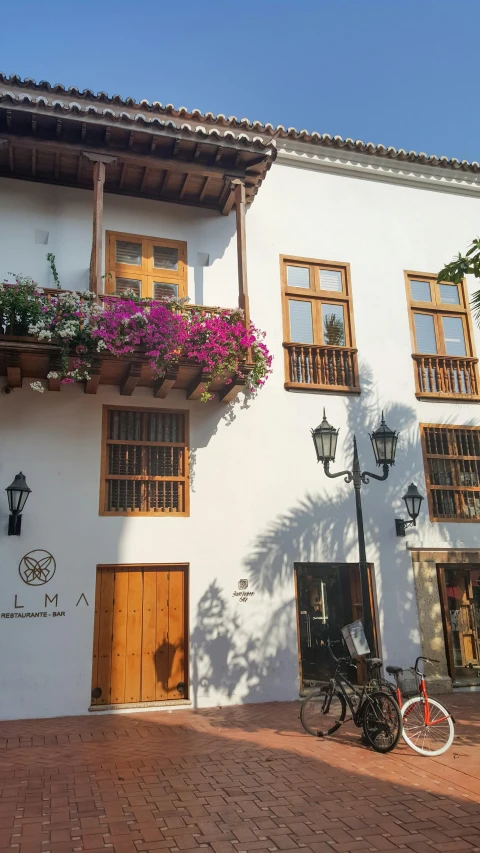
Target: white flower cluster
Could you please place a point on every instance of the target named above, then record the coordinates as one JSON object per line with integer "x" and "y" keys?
{"x": 37, "y": 386}
{"x": 39, "y": 330}
{"x": 53, "y": 375}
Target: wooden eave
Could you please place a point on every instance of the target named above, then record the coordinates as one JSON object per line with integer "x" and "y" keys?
{"x": 146, "y": 158}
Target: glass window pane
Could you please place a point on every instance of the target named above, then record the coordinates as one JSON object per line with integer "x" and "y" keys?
{"x": 165, "y": 258}
{"x": 128, "y": 253}
{"x": 331, "y": 280}
{"x": 164, "y": 290}
{"x": 454, "y": 337}
{"x": 298, "y": 277}
{"x": 333, "y": 324}
{"x": 124, "y": 285}
{"x": 425, "y": 333}
{"x": 420, "y": 291}
{"x": 449, "y": 294}
{"x": 301, "y": 325}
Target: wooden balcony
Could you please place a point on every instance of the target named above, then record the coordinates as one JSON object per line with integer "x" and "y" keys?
{"x": 321, "y": 368}
{"x": 25, "y": 357}
{"x": 446, "y": 378}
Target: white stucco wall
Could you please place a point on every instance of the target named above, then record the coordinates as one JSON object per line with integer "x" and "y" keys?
{"x": 259, "y": 502}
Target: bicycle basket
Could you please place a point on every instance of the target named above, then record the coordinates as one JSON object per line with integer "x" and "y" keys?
{"x": 407, "y": 682}
{"x": 355, "y": 638}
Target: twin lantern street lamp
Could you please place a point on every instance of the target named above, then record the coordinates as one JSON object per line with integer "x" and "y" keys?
{"x": 384, "y": 444}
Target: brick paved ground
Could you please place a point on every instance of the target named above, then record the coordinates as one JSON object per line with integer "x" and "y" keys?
{"x": 231, "y": 780}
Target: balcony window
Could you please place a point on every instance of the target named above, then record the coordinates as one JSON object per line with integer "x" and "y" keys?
{"x": 149, "y": 266}
{"x": 319, "y": 339}
{"x": 443, "y": 353}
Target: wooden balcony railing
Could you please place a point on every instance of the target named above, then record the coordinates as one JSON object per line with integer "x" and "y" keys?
{"x": 324, "y": 368}
{"x": 446, "y": 377}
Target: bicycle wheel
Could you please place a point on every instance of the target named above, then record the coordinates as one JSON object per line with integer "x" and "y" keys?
{"x": 382, "y": 721}
{"x": 429, "y": 739}
{"x": 323, "y": 712}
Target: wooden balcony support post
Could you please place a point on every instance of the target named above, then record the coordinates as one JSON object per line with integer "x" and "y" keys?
{"x": 240, "y": 205}
{"x": 99, "y": 162}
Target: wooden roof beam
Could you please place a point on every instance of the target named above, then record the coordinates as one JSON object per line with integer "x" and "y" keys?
{"x": 55, "y": 366}
{"x": 230, "y": 391}
{"x": 14, "y": 370}
{"x": 145, "y": 160}
{"x": 91, "y": 385}
{"x": 164, "y": 385}
{"x": 123, "y": 175}
{"x": 184, "y": 185}
{"x": 164, "y": 183}
{"x": 204, "y": 189}
{"x": 227, "y": 198}
{"x": 198, "y": 386}
{"x": 144, "y": 179}
{"x": 130, "y": 380}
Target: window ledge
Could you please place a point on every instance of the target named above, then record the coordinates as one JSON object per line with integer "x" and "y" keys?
{"x": 325, "y": 389}
{"x": 447, "y": 398}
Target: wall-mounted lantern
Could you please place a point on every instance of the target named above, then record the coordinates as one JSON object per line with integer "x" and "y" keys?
{"x": 413, "y": 501}
{"x": 18, "y": 493}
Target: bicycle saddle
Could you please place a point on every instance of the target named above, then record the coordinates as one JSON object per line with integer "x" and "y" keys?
{"x": 373, "y": 661}
{"x": 394, "y": 670}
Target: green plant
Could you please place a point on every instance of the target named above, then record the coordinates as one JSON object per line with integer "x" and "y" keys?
{"x": 20, "y": 305}
{"x": 333, "y": 330}
{"x": 53, "y": 267}
{"x": 462, "y": 265}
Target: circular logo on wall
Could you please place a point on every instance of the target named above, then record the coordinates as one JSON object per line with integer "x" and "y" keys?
{"x": 37, "y": 567}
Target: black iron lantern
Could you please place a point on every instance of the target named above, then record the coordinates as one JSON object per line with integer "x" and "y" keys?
{"x": 18, "y": 493}
{"x": 413, "y": 501}
{"x": 325, "y": 440}
{"x": 384, "y": 443}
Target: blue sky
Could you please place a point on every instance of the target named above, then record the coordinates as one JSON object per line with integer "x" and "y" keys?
{"x": 404, "y": 74}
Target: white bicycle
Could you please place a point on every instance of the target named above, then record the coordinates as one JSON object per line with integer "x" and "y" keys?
{"x": 428, "y": 727}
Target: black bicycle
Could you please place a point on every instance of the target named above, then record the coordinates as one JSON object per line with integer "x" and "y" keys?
{"x": 323, "y": 711}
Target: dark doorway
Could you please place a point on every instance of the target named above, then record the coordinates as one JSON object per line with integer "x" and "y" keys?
{"x": 460, "y": 596}
{"x": 328, "y": 597}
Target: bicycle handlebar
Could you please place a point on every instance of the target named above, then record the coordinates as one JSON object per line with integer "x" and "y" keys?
{"x": 331, "y": 643}
{"x": 427, "y": 660}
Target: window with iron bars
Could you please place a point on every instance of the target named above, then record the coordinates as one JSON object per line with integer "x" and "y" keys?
{"x": 144, "y": 462}
{"x": 452, "y": 472}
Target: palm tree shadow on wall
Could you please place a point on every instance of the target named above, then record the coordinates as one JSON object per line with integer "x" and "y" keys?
{"x": 225, "y": 654}
{"x": 231, "y": 658}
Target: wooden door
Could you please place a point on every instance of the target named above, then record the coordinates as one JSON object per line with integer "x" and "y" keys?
{"x": 139, "y": 644}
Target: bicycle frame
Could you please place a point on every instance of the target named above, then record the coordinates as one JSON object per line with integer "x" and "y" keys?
{"x": 340, "y": 681}
{"x": 423, "y": 694}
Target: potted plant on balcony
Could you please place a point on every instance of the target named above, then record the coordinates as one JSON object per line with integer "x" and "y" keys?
{"x": 20, "y": 305}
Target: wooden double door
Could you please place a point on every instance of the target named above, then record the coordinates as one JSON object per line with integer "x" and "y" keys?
{"x": 139, "y": 645}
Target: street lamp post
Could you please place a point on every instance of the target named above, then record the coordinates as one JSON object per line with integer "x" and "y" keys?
{"x": 384, "y": 443}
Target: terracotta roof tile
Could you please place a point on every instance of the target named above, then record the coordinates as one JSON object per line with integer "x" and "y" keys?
{"x": 150, "y": 113}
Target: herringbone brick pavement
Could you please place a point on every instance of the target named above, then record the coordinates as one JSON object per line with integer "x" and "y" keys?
{"x": 231, "y": 780}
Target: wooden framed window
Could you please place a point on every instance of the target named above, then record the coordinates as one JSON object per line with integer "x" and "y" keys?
{"x": 144, "y": 467}
{"x": 442, "y": 338}
{"x": 451, "y": 456}
{"x": 319, "y": 337}
{"x": 152, "y": 267}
